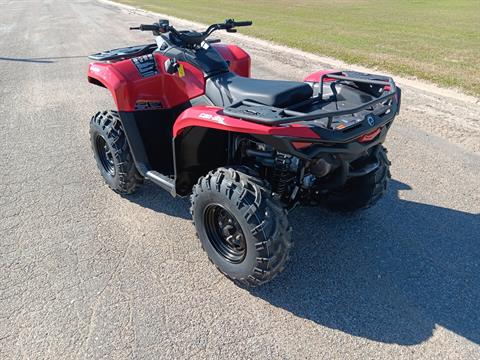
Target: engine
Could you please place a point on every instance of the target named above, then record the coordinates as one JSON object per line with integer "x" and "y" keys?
{"x": 292, "y": 179}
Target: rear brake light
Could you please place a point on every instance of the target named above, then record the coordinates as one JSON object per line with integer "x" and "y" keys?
{"x": 301, "y": 145}
{"x": 370, "y": 136}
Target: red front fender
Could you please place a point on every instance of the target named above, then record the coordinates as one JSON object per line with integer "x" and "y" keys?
{"x": 104, "y": 74}
{"x": 129, "y": 88}
{"x": 238, "y": 59}
{"x": 213, "y": 117}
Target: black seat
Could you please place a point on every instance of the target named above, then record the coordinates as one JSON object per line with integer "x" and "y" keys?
{"x": 226, "y": 89}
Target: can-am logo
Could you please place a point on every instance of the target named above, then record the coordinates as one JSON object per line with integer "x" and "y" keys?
{"x": 370, "y": 120}
{"x": 211, "y": 117}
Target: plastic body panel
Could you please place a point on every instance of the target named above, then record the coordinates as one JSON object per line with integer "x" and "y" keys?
{"x": 129, "y": 88}
{"x": 213, "y": 117}
{"x": 239, "y": 61}
{"x": 316, "y": 76}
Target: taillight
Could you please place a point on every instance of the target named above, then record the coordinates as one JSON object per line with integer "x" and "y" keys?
{"x": 301, "y": 145}
{"x": 370, "y": 136}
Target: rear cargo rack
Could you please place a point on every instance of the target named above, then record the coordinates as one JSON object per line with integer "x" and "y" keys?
{"x": 274, "y": 116}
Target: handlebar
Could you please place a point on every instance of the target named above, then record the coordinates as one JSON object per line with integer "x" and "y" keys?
{"x": 191, "y": 38}
{"x": 229, "y": 24}
{"x": 243, "y": 23}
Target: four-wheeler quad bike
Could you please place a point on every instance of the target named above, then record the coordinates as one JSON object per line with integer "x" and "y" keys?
{"x": 191, "y": 120}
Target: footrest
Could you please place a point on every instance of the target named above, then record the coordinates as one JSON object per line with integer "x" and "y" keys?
{"x": 163, "y": 181}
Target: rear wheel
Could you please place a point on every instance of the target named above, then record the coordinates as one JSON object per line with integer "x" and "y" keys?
{"x": 364, "y": 191}
{"x": 112, "y": 153}
{"x": 243, "y": 230}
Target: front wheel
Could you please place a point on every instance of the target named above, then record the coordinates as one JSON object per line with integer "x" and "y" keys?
{"x": 112, "y": 153}
{"x": 243, "y": 230}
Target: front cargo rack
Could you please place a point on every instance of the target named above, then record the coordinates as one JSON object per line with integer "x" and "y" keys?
{"x": 349, "y": 93}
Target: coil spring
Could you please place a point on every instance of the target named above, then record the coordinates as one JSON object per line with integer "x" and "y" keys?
{"x": 280, "y": 174}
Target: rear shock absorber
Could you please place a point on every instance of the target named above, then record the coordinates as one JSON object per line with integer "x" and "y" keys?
{"x": 280, "y": 178}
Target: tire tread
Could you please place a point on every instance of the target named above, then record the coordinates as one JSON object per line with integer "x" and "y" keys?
{"x": 267, "y": 220}
{"x": 108, "y": 124}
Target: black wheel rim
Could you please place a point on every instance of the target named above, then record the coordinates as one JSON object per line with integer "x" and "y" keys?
{"x": 105, "y": 155}
{"x": 225, "y": 233}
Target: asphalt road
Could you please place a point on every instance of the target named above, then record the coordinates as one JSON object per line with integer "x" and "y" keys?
{"x": 85, "y": 273}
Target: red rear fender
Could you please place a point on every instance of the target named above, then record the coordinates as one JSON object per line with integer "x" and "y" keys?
{"x": 316, "y": 76}
{"x": 213, "y": 117}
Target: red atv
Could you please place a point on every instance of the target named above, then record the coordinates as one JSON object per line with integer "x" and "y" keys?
{"x": 191, "y": 120}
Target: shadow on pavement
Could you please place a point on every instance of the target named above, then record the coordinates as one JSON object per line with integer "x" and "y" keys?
{"x": 41, "y": 60}
{"x": 155, "y": 198}
{"x": 389, "y": 274}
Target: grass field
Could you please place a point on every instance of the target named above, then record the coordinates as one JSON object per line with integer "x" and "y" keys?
{"x": 435, "y": 40}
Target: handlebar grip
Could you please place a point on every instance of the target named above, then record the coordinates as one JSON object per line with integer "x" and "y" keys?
{"x": 149, "y": 27}
{"x": 243, "y": 23}
{"x": 144, "y": 27}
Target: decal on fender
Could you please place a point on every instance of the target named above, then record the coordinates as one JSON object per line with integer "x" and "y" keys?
{"x": 217, "y": 118}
